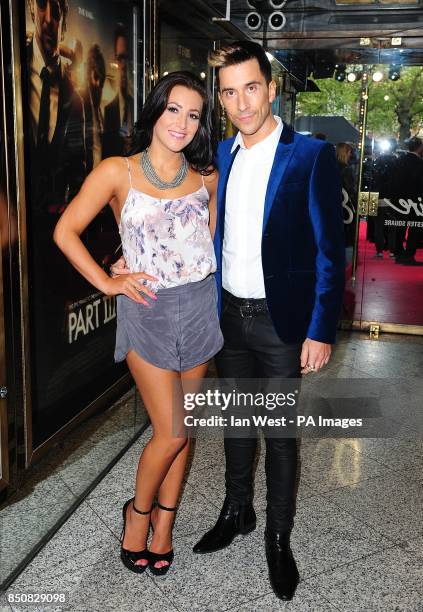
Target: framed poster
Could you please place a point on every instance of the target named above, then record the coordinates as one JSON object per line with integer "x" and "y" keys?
{"x": 78, "y": 107}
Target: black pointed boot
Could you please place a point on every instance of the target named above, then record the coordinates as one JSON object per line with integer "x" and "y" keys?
{"x": 283, "y": 572}
{"x": 234, "y": 519}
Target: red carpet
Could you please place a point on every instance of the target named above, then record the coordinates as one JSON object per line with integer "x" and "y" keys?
{"x": 384, "y": 291}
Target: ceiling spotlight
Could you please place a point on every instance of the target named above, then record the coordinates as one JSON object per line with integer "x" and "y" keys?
{"x": 355, "y": 75}
{"x": 394, "y": 73}
{"x": 377, "y": 76}
{"x": 253, "y": 21}
{"x": 277, "y": 20}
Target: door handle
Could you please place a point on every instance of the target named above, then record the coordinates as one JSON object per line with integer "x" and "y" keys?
{"x": 368, "y": 203}
{"x": 373, "y": 203}
{"x": 363, "y": 203}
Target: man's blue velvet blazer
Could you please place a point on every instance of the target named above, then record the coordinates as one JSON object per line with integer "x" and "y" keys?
{"x": 303, "y": 248}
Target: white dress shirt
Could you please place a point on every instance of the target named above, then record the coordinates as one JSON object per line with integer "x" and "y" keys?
{"x": 242, "y": 271}
{"x": 35, "y": 95}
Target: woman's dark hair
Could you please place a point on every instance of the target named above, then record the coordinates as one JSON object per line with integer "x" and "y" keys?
{"x": 201, "y": 150}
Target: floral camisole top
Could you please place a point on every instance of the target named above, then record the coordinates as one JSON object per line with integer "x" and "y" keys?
{"x": 168, "y": 239}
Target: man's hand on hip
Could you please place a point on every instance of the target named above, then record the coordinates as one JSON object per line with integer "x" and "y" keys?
{"x": 314, "y": 355}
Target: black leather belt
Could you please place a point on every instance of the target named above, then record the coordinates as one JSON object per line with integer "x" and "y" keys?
{"x": 248, "y": 307}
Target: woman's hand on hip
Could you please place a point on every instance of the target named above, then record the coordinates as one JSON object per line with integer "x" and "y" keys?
{"x": 130, "y": 285}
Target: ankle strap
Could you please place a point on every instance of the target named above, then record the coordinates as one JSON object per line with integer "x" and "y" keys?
{"x": 140, "y": 511}
{"x": 159, "y": 505}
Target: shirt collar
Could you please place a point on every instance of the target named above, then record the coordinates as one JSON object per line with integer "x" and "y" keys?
{"x": 264, "y": 145}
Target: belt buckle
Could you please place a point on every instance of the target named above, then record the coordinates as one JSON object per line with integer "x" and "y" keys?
{"x": 247, "y": 311}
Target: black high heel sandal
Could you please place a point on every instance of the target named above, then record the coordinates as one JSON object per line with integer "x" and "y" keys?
{"x": 155, "y": 557}
{"x": 130, "y": 557}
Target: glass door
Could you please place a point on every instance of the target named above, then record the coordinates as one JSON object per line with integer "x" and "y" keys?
{"x": 389, "y": 246}
{"x": 367, "y": 102}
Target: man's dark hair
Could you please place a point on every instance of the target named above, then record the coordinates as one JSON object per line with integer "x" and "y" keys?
{"x": 201, "y": 150}
{"x": 64, "y": 7}
{"x": 414, "y": 144}
{"x": 239, "y": 52}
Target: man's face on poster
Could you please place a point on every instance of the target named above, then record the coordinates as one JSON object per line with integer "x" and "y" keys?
{"x": 48, "y": 21}
{"x": 122, "y": 60}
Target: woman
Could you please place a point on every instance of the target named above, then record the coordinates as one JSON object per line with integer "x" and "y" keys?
{"x": 167, "y": 323}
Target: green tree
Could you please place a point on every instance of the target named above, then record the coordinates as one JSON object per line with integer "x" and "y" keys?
{"x": 395, "y": 107}
{"x": 402, "y": 111}
{"x": 340, "y": 99}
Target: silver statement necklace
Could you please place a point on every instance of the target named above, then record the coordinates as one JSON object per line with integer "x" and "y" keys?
{"x": 153, "y": 178}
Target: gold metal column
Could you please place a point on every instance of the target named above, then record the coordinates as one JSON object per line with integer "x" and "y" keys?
{"x": 364, "y": 98}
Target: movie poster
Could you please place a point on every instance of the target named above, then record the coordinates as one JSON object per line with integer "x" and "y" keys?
{"x": 79, "y": 109}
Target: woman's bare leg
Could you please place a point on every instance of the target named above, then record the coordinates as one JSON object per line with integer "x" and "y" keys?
{"x": 171, "y": 485}
{"x": 158, "y": 388}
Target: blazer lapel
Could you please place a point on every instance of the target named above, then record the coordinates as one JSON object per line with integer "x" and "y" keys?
{"x": 283, "y": 155}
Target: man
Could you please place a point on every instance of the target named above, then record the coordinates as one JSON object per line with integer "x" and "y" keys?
{"x": 58, "y": 163}
{"x": 118, "y": 114}
{"x": 95, "y": 78}
{"x": 384, "y": 183}
{"x": 408, "y": 177}
{"x": 280, "y": 250}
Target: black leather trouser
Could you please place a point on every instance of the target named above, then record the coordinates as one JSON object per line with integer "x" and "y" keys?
{"x": 252, "y": 349}
{"x": 413, "y": 238}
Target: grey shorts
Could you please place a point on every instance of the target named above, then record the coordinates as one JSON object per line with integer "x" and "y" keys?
{"x": 178, "y": 331}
